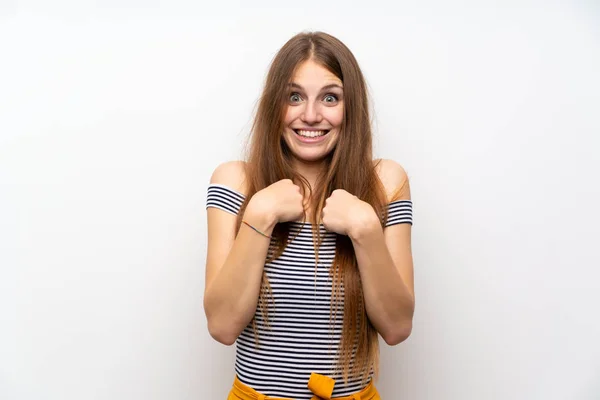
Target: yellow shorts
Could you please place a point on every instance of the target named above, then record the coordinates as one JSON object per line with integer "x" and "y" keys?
{"x": 320, "y": 385}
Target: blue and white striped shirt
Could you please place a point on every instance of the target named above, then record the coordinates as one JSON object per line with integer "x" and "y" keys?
{"x": 300, "y": 339}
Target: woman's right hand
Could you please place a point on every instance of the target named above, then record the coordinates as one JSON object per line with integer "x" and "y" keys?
{"x": 283, "y": 198}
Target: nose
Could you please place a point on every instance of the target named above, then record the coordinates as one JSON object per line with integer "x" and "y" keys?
{"x": 311, "y": 113}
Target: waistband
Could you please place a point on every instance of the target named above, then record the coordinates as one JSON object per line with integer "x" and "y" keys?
{"x": 320, "y": 385}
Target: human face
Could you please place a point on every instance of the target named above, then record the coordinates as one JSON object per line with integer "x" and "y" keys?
{"x": 314, "y": 112}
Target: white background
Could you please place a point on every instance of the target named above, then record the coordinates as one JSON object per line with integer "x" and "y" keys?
{"x": 114, "y": 114}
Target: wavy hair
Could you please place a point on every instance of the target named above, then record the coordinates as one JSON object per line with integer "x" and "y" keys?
{"x": 348, "y": 166}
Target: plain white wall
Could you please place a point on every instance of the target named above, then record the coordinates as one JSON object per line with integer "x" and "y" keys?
{"x": 113, "y": 117}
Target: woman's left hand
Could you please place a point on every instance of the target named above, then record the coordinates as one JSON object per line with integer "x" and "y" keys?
{"x": 345, "y": 213}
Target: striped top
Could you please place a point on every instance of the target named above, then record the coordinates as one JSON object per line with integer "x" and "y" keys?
{"x": 300, "y": 339}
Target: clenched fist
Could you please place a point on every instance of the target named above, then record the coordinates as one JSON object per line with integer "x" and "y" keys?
{"x": 283, "y": 199}
{"x": 345, "y": 213}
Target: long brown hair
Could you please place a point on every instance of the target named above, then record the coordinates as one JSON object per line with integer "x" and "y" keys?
{"x": 269, "y": 160}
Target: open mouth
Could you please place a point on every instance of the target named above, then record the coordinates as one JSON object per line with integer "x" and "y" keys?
{"x": 310, "y": 134}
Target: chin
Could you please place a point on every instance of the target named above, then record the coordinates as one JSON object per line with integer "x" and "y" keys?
{"x": 310, "y": 158}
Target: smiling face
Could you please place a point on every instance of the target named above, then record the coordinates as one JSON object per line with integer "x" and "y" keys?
{"x": 314, "y": 113}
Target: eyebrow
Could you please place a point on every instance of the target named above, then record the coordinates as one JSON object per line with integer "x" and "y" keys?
{"x": 326, "y": 87}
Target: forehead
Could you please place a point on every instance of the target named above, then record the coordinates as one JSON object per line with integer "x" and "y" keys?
{"x": 311, "y": 72}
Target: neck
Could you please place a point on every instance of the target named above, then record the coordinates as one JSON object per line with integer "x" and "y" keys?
{"x": 310, "y": 170}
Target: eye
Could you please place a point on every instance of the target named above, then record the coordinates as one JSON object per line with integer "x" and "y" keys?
{"x": 295, "y": 98}
{"x": 330, "y": 98}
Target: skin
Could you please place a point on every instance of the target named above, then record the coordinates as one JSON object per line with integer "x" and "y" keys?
{"x": 313, "y": 105}
{"x": 384, "y": 256}
{"x": 235, "y": 264}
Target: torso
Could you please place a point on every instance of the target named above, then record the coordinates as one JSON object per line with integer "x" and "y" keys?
{"x": 301, "y": 337}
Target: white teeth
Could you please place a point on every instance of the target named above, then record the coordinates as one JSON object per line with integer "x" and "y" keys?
{"x": 310, "y": 134}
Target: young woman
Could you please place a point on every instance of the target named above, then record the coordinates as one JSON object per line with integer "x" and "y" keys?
{"x": 309, "y": 241}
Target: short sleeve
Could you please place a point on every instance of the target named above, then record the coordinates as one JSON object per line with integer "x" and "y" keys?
{"x": 399, "y": 212}
{"x": 224, "y": 198}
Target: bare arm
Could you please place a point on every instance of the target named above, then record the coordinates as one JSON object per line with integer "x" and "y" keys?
{"x": 234, "y": 265}
{"x": 386, "y": 265}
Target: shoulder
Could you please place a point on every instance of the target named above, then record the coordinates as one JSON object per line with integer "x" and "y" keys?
{"x": 394, "y": 179}
{"x": 231, "y": 174}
